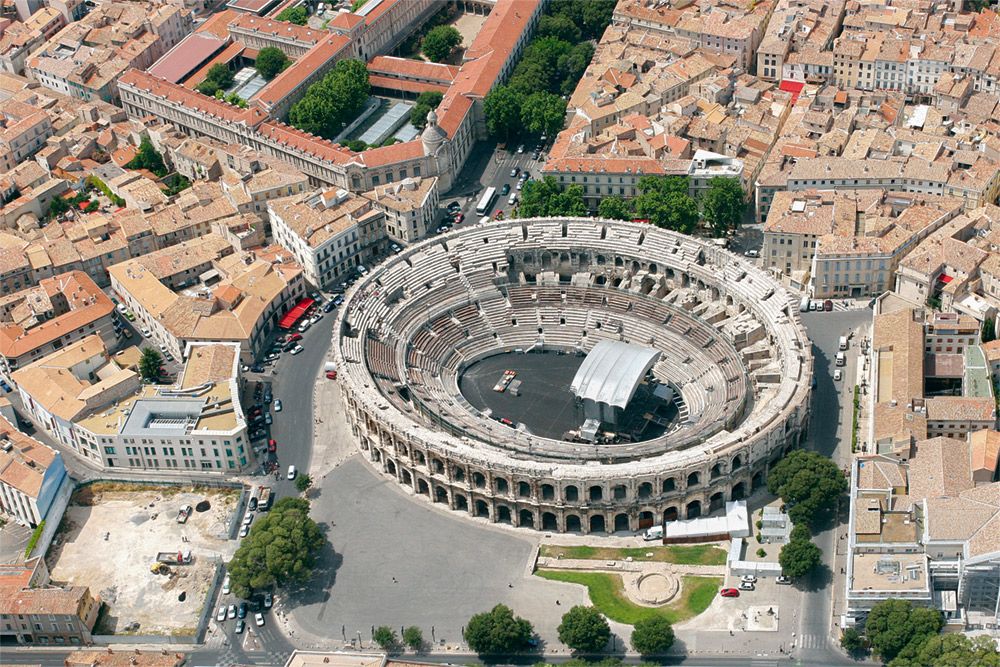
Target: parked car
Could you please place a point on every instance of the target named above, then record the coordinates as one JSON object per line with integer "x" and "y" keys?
{"x": 752, "y": 253}
{"x": 828, "y": 305}
{"x": 304, "y": 327}
{"x": 240, "y": 627}
{"x": 460, "y": 218}
{"x": 297, "y": 349}
{"x": 515, "y": 171}
{"x": 505, "y": 190}
{"x": 782, "y": 579}
{"x": 145, "y": 332}
{"x": 329, "y": 306}
{"x": 838, "y": 375}
{"x": 268, "y": 419}
{"x": 291, "y": 472}
{"x": 241, "y": 612}
{"x": 729, "y": 593}
{"x": 231, "y": 613}
{"x": 749, "y": 578}
{"x": 183, "y": 514}
{"x": 746, "y": 586}
{"x": 294, "y": 337}
{"x": 259, "y": 619}
{"x": 268, "y": 600}
{"x": 252, "y": 505}
{"x": 221, "y": 616}
{"x": 225, "y": 585}
{"x": 454, "y": 206}
{"x": 394, "y": 248}
{"x": 244, "y": 531}
{"x": 272, "y": 446}
{"x": 277, "y": 405}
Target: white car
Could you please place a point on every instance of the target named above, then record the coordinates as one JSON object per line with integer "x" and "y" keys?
{"x": 247, "y": 520}
{"x": 748, "y": 578}
{"x": 221, "y": 616}
{"x": 304, "y": 327}
{"x": 751, "y": 253}
{"x": 746, "y": 586}
{"x": 232, "y": 612}
{"x": 277, "y": 405}
{"x": 291, "y": 472}
{"x": 244, "y": 531}
{"x": 225, "y": 585}
{"x": 297, "y": 349}
{"x": 259, "y": 619}
{"x": 145, "y": 332}
{"x": 316, "y": 318}
{"x": 838, "y": 375}
{"x": 121, "y": 308}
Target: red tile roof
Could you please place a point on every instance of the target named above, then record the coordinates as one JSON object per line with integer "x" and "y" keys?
{"x": 413, "y": 69}
{"x": 379, "y": 157}
{"x": 390, "y": 83}
{"x": 187, "y": 55}
{"x": 265, "y": 26}
{"x": 346, "y": 21}
{"x": 227, "y": 55}
{"x": 330, "y": 49}
{"x": 307, "y": 143}
{"x": 190, "y": 99}
{"x": 218, "y": 24}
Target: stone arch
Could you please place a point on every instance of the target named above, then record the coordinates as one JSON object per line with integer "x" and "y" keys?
{"x": 524, "y": 489}
{"x": 571, "y": 493}
{"x": 646, "y": 519}
{"x": 440, "y": 494}
{"x": 597, "y": 523}
{"x": 461, "y": 502}
{"x": 418, "y": 456}
{"x": 548, "y": 492}
{"x": 423, "y": 488}
{"x": 595, "y": 493}
{"x": 549, "y": 521}
{"x": 501, "y": 485}
{"x": 622, "y": 522}
{"x": 694, "y": 509}
{"x": 668, "y": 485}
{"x": 526, "y": 518}
{"x": 737, "y": 463}
{"x": 407, "y": 477}
{"x": 619, "y": 262}
{"x": 546, "y": 260}
{"x": 376, "y": 454}
{"x": 738, "y": 492}
{"x": 671, "y": 514}
{"x": 717, "y": 471}
{"x": 652, "y": 268}
{"x": 694, "y": 479}
{"x": 390, "y": 467}
{"x": 478, "y": 480}
{"x": 573, "y": 524}
{"x": 437, "y": 465}
{"x": 717, "y": 501}
{"x": 503, "y": 514}
{"x": 618, "y": 492}
{"x": 482, "y": 509}
{"x": 645, "y": 490}
{"x": 459, "y": 475}
{"x": 757, "y": 480}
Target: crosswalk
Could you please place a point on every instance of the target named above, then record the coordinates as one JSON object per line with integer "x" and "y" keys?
{"x": 812, "y": 641}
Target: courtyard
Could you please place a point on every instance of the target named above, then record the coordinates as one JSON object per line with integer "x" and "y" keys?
{"x": 128, "y": 526}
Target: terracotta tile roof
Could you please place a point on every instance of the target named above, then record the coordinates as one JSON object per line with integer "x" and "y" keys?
{"x": 218, "y": 24}
{"x": 191, "y": 100}
{"x": 186, "y": 56}
{"x": 264, "y": 26}
{"x": 307, "y": 143}
{"x": 378, "y": 157}
{"x": 414, "y": 69}
{"x": 392, "y": 83}
{"x": 346, "y": 21}
{"x": 331, "y": 48}
{"x": 23, "y": 466}
{"x": 232, "y": 50}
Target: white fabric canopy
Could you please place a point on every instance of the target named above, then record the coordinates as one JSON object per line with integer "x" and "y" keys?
{"x": 612, "y": 371}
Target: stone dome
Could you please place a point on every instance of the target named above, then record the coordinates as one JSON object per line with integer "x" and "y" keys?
{"x": 433, "y": 136}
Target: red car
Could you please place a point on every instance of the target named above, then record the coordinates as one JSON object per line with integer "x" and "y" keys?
{"x": 294, "y": 337}
{"x": 272, "y": 446}
{"x": 459, "y": 218}
{"x": 331, "y": 375}
{"x": 729, "y": 593}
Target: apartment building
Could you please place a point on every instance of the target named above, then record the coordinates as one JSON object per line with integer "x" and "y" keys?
{"x": 57, "y": 312}
{"x": 23, "y": 130}
{"x": 90, "y": 401}
{"x": 250, "y": 180}
{"x": 35, "y": 612}
{"x": 31, "y": 476}
{"x": 329, "y": 232}
{"x": 21, "y": 38}
{"x": 409, "y": 207}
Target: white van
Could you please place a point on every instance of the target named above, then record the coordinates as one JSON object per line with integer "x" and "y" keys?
{"x": 843, "y": 343}
{"x": 512, "y": 199}
{"x": 654, "y": 533}
{"x": 841, "y": 359}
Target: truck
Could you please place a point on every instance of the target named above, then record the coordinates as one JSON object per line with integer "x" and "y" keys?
{"x": 174, "y": 557}
{"x": 264, "y": 500}
{"x": 804, "y": 305}
{"x": 183, "y": 514}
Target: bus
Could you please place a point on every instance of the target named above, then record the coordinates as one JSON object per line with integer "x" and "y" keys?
{"x": 486, "y": 203}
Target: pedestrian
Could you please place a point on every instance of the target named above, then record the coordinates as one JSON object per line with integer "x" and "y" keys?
{"x": 557, "y": 603}
{"x": 509, "y": 585}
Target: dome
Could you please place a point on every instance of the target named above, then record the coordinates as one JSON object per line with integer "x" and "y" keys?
{"x": 433, "y": 136}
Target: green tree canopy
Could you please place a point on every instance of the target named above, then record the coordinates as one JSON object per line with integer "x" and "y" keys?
{"x": 664, "y": 201}
{"x": 652, "y": 635}
{"x": 385, "y": 637}
{"x": 57, "y": 207}
{"x": 297, "y": 15}
{"x": 147, "y": 157}
{"x": 808, "y": 482}
{"x": 413, "y": 637}
{"x": 559, "y": 26}
{"x": 498, "y": 632}
{"x": 852, "y": 641}
{"x": 799, "y": 557}
{"x": 584, "y": 629}
{"x": 502, "y": 108}
{"x": 892, "y": 624}
{"x": 439, "y": 42}
{"x": 542, "y": 113}
{"x": 219, "y": 77}
{"x": 615, "y": 208}
{"x": 332, "y": 102}
{"x": 800, "y": 532}
{"x": 723, "y": 204}
{"x": 571, "y": 66}
{"x": 949, "y": 650}
{"x": 303, "y": 482}
{"x": 427, "y": 100}
{"x": 280, "y": 549}
{"x": 271, "y": 61}
{"x": 149, "y": 364}
{"x": 545, "y": 198}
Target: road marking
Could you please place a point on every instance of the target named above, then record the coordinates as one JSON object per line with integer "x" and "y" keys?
{"x": 813, "y": 641}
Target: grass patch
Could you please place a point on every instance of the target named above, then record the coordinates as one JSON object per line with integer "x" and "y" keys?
{"x": 607, "y": 593}
{"x": 703, "y": 554}
{"x": 33, "y": 540}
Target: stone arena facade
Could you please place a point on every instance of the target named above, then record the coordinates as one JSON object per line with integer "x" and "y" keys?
{"x": 731, "y": 344}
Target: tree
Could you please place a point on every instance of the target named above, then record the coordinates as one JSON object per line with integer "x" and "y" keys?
{"x": 949, "y": 650}
{"x": 596, "y": 17}
{"x": 498, "y": 632}
{"x": 584, "y": 629}
{"x": 385, "y": 637}
{"x": 615, "y": 208}
{"x": 297, "y": 15}
{"x": 219, "y": 77}
{"x": 723, "y": 204}
{"x": 57, "y": 207}
{"x": 280, "y": 549}
{"x": 892, "y": 624}
{"x": 652, "y": 635}
{"x": 332, "y": 101}
{"x": 800, "y": 532}
{"x": 149, "y": 364}
{"x": 439, "y": 42}
{"x": 543, "y": 113}
{"x": 571, "y": 66}
{"x": 502, "y": 108}
{"x": 989, "y": 330}
{"x": 271, "y": 62}
{"x": 852, "y": 641}
{"x": 559, "y": 26}
{"x": 413, "y": 637}
{"x": 303, "y": 482}
{"x": 546, "y": 198}
{"x": 148, "y": 158}
{"x": 799, "y": 557}
{"x": 427, "y": 100}
{"x": 809, "y": 483}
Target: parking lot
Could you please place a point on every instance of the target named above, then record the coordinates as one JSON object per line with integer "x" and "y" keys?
{"x": 128, "y": 527}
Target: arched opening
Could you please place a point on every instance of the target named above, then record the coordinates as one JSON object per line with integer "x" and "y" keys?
{"x": 502, "y": 486}
{"x": 670, "y": 514}
{"x": 440, "y": 494}
{"x": 716, "y": 502}
{"x": 573, "y": 524}
{"x": 572, "y": 494}
{"x": 461, "y": 503}
{"x": 482, "y": 509}
{"x": 526, "y": 518}
{"x": 597, "y": 523}
{"x": 645, "y": 519}
{"x": 503, "y": 514}
{"x": 548, "y": 492}
{"x": 524, "y": 489}
{"x": 418, "y": 456}
{"x": 549, "y": 521}
{"x": 423, "y": 488}
{"x": 407, "y": 477}
{"x": 694, "y": 509}
{"x": 693, "y": 479}
{"x": 645, "y": 490}
{"x": 669, "y": 485}
{"x": 619, "y": 492}
{"x": 621, "y": 522}
{"x": 459, "y": 475}
{"x": 756, "y": 481}
{"x": 438, "y": 466}
{"x": 596, "y": 493}
{"x": 652, "y": 269}
{"x": 738, "y": 492}
{"x": 737, "y": 463}
{"x": 478, "y": 480}
{"x": 717, "y": 471}
{"x": 390, "y": 467}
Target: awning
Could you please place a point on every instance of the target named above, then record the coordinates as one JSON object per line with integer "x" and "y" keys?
{"x": 945, "y": 278}
{"x": 793, "y": 87}
{"x": 292, "y": 316}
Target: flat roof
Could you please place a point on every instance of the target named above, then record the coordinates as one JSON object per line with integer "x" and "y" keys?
{"x": 612, "y": 371}
{"x": 258, "y": 7}
{"x": 161, "y": 417}
{"x": 187, "y": 56}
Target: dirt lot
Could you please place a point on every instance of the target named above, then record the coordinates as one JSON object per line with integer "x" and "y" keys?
{"x": 110, "y": 536}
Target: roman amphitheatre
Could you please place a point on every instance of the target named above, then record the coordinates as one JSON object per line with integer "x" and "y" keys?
{"x": 573, "y": 374}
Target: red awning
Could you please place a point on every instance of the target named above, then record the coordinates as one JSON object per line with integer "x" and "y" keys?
{"x": 793, "y": 87}
{"x": 945, "y": 278}
{"x": 292, "y": 316}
